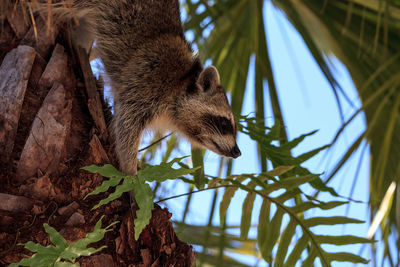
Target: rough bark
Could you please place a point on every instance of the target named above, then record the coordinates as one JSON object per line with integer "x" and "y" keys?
{"x": 94, "y": 102}
{"x": 44, "y": 146}
{"x": 53, "y": 121}
{"x": 14, "y": 75}
{"x": 41, "y": 37}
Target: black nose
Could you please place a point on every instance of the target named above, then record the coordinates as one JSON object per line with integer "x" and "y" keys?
{"x": 235, "y": 152}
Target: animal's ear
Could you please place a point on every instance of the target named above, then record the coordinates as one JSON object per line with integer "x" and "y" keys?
{"x": 209, "y": 79}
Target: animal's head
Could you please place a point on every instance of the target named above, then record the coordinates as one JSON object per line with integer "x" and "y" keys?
{"x": 205, "y": 117}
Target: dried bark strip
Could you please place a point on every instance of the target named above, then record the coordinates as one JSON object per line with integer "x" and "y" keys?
{"x": 14, "y": 75}
{"x": 45, "y": 37}
{"x": 18, "y": 23}
{"x": 94, "y": 102}
{"x": 55, "y": 70}
{"x": 37, "y": 70}
{"x": 43, "y": 76}
{"x": 97, "y": 153}
{"x": 68, "y": 210}
{"x": 32, "y": 102}
{"x": 46, "y": 140}
{"x": 75, "y": 219}
{"x": 15, "y": 203}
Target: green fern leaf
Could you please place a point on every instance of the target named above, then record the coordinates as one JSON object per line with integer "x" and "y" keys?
{"x": 309, "y": 261}
{"x": 55, "y": 237}
{"x": 105, "y": 185}
{"x": 289, "y": 183}
{"x": 341, "y": 240}
{"x": 284, "y": 243}
{"x": 105, "y": 171}
{"x": 157, "y": 173}
{"x": 346, "y": 257}
{"x": 144, "y": 199}
{"x": 126, "y": 186}
{"x": 226, "y": 199}
{"x": 247, "y": 210}
{"x": 281, "y": 155}
{"x": 34, "y": 247}
{"x": 143, "y": 193}
{"x": 294, "y": 256}
{"x": 279, "y": 170}
{"x": 295, "y": 142}
{"x": 62, "y": 252}
{"x": 164, "y": 171}
{"x": 263, "y": 229}
{"x": 304, "y": 206}
{"x": 335, "y": 220}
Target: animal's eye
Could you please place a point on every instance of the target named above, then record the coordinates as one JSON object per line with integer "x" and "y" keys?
{"x": 224, "y": 123}
{"x": 225, "y": 126}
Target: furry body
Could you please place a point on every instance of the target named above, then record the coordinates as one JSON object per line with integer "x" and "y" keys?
{"x": 154, "y": 76}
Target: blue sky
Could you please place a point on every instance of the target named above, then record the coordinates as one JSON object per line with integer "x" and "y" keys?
{"x": 308, "y": 104}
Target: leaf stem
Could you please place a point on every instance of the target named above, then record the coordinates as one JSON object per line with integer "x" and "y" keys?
{"x": 155, "y": 142}
{"x": 192, "y": 192}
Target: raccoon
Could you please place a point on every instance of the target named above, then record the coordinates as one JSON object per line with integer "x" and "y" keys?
{"x": 156, "y": 78}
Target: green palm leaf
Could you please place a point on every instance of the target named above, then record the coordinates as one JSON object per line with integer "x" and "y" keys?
{"x": 363, "y": 35}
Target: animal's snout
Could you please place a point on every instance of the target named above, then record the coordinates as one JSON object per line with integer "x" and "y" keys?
{"x": 235, "y": 152}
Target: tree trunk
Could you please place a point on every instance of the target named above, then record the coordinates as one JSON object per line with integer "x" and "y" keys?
{"x": 53, "y": 121}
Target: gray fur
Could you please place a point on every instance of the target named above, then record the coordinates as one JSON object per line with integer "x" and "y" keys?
{"x": 155, "y": 77}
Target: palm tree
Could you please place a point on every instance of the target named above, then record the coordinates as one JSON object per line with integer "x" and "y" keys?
{"x": 53, "y": 121}
{"x": 363, "y": 35}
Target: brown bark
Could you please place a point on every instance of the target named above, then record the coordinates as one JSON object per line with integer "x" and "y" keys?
{"x": 14, "y": 75}
{"x": 53, "y": 121}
